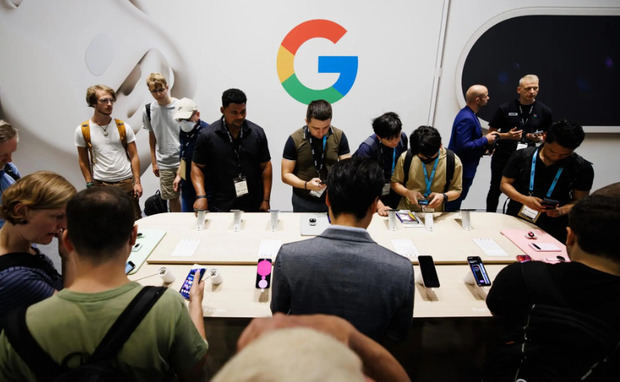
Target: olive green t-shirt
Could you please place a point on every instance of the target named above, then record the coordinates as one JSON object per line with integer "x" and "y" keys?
{"x": 416, "y": 180}
{"x": 165, "y": 343}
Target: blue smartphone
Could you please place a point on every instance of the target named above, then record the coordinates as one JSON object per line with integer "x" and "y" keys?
{"x": 189, "y": 281}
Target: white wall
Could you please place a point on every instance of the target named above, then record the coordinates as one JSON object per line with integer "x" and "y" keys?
{"x": 211, "y": 46}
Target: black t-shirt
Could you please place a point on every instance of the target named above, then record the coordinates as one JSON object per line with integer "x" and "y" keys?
{"x": 215, "y": 151}
{"x": 529, "y": 118}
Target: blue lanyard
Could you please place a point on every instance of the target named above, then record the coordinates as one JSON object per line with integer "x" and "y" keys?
{"x": 533, "y": 171}
{"x": 380, "y": 158}
{"x": 428, "y": 180}
{"x": 393, "y": 160}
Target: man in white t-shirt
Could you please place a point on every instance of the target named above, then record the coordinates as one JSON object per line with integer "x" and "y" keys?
{"x": 158, "y": 119}
{"x": 106, "y": 147}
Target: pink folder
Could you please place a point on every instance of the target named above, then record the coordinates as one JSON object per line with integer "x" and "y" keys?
{"x": 520, "y": 238}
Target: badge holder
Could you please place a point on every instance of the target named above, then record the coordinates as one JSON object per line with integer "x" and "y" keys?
{"x": 528, "y": 214}
{"x": 241, "y": 186}
{"x": 318, "y": 193}
{"x": 386, "y": 189}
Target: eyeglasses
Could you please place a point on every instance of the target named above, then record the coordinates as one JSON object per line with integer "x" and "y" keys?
{"x": 160, "y": 90}
{"x": 105, "y": 100}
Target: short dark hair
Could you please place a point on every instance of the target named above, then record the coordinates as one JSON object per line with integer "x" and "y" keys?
{"x": 353, "y": 185}
{"x": 99, "y": 221}
{"x": 388, "y": 125}
{"x": 566, "y": 134}
{"x": 595, "y": 220}
{"x": 233, "y": 96}
{"x": 425, "y": 140}
{"x": 319, "y": 109}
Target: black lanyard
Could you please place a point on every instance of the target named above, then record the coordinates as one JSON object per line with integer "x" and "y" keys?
{"x": 523, "y": 120}
{"x": 318, "y": 165}
{"x": 235, "y": 144}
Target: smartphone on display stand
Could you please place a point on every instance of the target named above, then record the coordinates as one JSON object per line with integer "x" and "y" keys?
{"x": 479, "y": 271}
{"x": 189, "y": 281}
{"x": 263, "y": 273}
{"x": 129, "y": 267}
{"x": 428, "y": 270}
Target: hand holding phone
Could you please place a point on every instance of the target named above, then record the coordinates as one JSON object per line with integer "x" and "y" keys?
{"x": 428, "y": 270}
{"x": 189, "y": 281}
{"x": 478, "y": 270}
{"x": 549, "y": 204}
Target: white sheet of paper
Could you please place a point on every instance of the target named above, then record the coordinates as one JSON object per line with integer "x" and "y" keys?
{"x": 186, "y": 248}
{"x": 269, "y": 248}
{"x": 405, "y": 247}
{"x": 490, "y": 247}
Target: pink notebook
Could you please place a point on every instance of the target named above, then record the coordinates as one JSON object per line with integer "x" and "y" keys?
{"x": 543, "y": 248}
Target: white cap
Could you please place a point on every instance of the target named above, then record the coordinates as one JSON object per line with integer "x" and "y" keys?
{"x": 185, "y": 108}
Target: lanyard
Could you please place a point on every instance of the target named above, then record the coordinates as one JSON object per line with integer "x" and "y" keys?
{"x": 318, "y": 166}
{"x": 235, "y": 145}
{"x": 428, "y": 180}
{"x": 393, "y": 156}
{"x": 525, "y": 120}
{"x": 533, "y": 171}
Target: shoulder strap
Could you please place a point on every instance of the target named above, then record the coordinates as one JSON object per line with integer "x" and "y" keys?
{"x": 127, "y": 322}
{"x": 120, "y": 125}
{"x": 89, "y": 145}
{"x": 45, "y": 367}
{"x": 407, "y": 165}
{"x": 449, "y": 169}
{"x": 147, "y": 108}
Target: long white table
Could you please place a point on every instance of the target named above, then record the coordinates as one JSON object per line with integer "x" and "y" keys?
{"x": 220, "y": 244}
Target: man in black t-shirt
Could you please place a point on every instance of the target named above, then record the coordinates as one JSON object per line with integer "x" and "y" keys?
{"x": 586, "y": 290}
{"x": 520, "y": 123}
{"x": 544, "y": 183}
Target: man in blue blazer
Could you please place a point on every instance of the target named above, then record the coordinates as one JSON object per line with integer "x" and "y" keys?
{"x": 467, "y": 140}
{"x": 343, "y": 271}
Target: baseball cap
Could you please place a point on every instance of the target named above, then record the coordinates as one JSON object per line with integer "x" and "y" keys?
{"x": 185, "y": 108}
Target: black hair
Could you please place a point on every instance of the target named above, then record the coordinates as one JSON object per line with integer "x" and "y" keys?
{"x": 567, "y": 134}
{"x": 388, "y": 125}
{"x": 233, "y": 96}
{"x": 425, "y": 140}
{"x": 353, "y": 185}
{"x": 99, "y": 222}
{"x": 319, "y": 109}
{"x": 595, "y": 220}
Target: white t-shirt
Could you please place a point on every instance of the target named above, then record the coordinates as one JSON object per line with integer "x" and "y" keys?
{"x": 110, "y": 159}
{"x": 166, "y": 130}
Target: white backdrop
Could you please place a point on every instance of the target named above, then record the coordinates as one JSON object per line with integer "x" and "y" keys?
{"x": 52, "y": 51}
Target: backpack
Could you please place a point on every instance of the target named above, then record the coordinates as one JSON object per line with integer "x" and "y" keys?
{"x": 154, "y": 204}
{"x": 449, "y": 167}
{"x": 101, "y": 365}
{"x": 120, "y": 125}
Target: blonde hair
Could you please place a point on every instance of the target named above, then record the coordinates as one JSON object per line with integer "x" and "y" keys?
{"x": 528, "y": 77}
{"x": 37, "y": 191}
{"x": 91, "y": 93}
{"x": 293, "y": 354}
{"x": 155, "y": 79}
{"x": 6, "y": 131}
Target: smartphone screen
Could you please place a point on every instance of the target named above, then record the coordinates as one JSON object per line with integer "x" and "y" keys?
{"x": 189, "y": 281}
{"x": 480, "y": 273}
{"x": 429, "y": 273}
{"x": 129, "y": 267}
{"x": 263, "y": 274}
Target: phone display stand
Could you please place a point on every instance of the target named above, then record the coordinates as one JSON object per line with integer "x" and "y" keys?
{"x": 236, "y": 220}
{"x": 428, "y": 221}
{"x": 148, "y": 240}
{"x": 469, "y": 279}
{"x": 215, "y": 276}
{"x": 166, "y": 276}
{"x": 418, "y": 278}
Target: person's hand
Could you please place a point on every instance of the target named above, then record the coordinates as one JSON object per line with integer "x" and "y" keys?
{"x": 176, "y": 182}
{"x": 491, "y": 137}
{"x": 196, "y": 292}
{"x": 414, "y": 196}
{"x": 382, "y": 209}
{"x": 435, "y": 200}
{"x": 534, "y": 137}
{"x": 557, "y": 211}
{"x": 534, "y": 203}
{"x": 200, "y": 204}
{"x": 155, "y": 169}
{"x": 137, "y": 190}
{"x": 315, "y": 184}
{"x": 514, "y": 134}
{"x": 264, "y": 206}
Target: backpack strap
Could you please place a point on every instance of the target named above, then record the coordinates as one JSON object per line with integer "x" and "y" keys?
{"x": 89, "y": 146}
{"x": 120, "y": 125}
{"x": 407, "y": 165}
{"x": 449, "y": 169}
{"x": 45, "y": 367}
{"x": 147, "y": 108}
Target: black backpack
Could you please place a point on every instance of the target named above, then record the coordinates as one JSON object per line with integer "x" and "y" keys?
{"x": 101, "y": 365}
{"x": 449, "y": 167}
{"x": 154, "y": 204}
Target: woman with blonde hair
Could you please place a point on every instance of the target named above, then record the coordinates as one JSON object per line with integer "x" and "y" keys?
{"x": 34, "y": 211}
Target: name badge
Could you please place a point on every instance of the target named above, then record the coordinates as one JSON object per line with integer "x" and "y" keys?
{"x": 241, "y": 186}
{"x": 386, "y": 189}
{"x": 521, "y": 146}
{"x": 529, "y": 214}
{"x": 512, "y": 114}
{"x": 317, "y": 194}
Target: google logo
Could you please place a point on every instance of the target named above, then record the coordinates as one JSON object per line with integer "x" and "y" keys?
{"x": 346, "y": 66}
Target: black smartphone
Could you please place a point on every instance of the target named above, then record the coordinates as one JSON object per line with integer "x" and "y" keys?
{"x": 429, "y": 273}
{"x": 136, "y": 247}
{"x": 189, "y": 281}
{"x": 423, "y": 202}
{"x": 129, "y": 267}
{"x": 263, "y": 274}
{"x": 480, "y": 273}
{"x": 550, "y": 203}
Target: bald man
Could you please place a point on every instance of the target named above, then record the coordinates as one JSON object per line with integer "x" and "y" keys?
{"x": 467, "y": 140}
